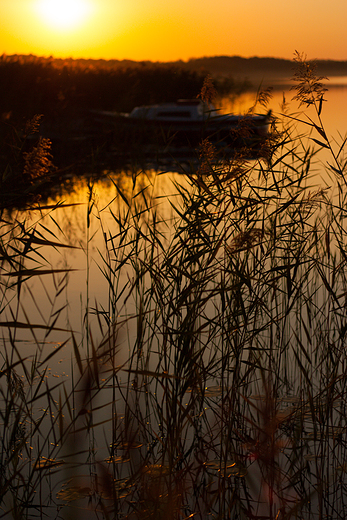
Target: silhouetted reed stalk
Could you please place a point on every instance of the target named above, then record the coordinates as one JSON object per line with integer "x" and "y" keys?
{"x": 219, "y": 387}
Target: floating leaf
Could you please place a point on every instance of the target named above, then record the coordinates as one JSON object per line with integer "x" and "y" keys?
{"x": 311, "y": 456}
{"x": 331, "y": 431}
{"x": 208, "y": 391}
{"x": 72, "y": 493}
{"x": 126, "y": 446}
{"x": 228, "y": 469}
{"x": 234, "y": 470}
{"x": 258, "y": 397}
{"x": 156, "y": 470}
{"x": 213, "y": 391}
{"x": 45, "y": 463}
{"x": 116, "y": 460}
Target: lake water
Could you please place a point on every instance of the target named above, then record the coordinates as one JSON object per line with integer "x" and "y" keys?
{"x": 86, "y": 223}
{"x": 88, "y": 250}
{"x": 68, "y": 224}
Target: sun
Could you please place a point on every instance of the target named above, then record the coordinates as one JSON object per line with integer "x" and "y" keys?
{"x": 63, "y": 14}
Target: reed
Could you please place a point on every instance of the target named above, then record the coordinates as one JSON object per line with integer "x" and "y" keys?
{"x": 218, "y": 389}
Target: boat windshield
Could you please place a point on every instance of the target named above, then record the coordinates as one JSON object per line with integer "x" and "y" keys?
{"x": 174, "y": 111}
{"x": 186, "y": 114}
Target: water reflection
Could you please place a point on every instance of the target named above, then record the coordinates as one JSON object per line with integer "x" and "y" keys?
{"x": 333, "y": 112}
{"x": 88, "y": 223}
{"x": 71, "y": 277}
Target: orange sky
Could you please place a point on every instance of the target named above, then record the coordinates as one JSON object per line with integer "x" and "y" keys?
{"x": 168, "y": 30}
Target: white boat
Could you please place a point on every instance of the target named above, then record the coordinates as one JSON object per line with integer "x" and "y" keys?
{"x": 186, "y": 123}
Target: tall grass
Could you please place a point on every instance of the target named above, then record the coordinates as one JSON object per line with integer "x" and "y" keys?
{"x": 219, "y": 387}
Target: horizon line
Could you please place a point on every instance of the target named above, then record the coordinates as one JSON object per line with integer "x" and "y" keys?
{"x": 195, "y": 58}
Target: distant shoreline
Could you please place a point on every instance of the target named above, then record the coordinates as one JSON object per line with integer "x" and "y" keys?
{"x": 257, "y": 70}
{"x": 274, "y": 72}
{"x": 58, "y": 88}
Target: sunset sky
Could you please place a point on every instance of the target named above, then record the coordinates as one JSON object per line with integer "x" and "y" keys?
{"x": 168, "y": 30}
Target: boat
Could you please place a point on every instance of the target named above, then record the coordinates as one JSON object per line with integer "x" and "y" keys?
{"x": 186, "y": 123}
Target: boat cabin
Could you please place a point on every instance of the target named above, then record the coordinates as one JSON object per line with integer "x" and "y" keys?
{"x": 182, "y": 110}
